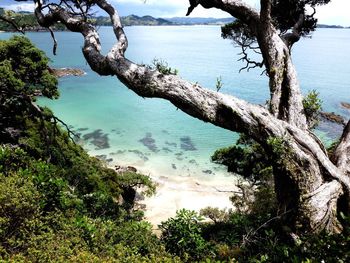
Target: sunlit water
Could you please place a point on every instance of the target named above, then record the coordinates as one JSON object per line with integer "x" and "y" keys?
{"x": 152, "y": 134}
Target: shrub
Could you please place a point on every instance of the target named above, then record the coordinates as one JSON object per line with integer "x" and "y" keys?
{"x": 182, "y": 235}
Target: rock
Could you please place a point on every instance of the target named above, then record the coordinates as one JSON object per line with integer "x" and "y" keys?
{"x": 131, "y": 169}
{"x": 124, "y": 169}
{"x": 345, "y": 105}
{"x": 187, "y": 144}
{"x": 63, "y": 72}
{"x": 97, "y": 138}
{"x": 149, "y": 142}
{"x": 333, "y": 117}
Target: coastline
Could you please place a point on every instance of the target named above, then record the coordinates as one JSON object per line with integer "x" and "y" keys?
{"x": 189, "y": 192}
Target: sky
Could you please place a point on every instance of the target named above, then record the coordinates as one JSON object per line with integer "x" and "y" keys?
{"x": 335, "y": 13}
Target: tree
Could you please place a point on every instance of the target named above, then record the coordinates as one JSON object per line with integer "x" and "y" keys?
{"x": 312, "y": 187}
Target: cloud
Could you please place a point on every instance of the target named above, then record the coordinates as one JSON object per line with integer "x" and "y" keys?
{"x": 29, "y": 7}
{"x": 168, "y": 8}
{"x": 335, "y": 13}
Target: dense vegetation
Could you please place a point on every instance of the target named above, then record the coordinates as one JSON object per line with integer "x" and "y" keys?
{"x": 25, "y": 21}
{"x": 58, "y": 204}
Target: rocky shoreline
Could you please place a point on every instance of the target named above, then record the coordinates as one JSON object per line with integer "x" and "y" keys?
{"x": 64, "y": 72}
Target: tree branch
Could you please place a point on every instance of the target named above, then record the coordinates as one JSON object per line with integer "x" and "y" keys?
{"x": 222, "y": 110}
{"x": 13, "y": 24}
{"x": 341, "y": 156}
{"x": 236, "y": 8}
{"x": 292, "y": 37}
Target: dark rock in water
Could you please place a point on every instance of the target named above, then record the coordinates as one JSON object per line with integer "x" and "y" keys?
{"x": 173, "y": 166}
{"x": 333, "y": 117}
{"x": 193, "y": 161}
{"x": 139, "y": 154}
{"x": 149, "y": 142}
{"x": 83, "y": 129}
{"x": 109, "y": 160}
{"x": 345, "y": 105}
{"x": 207, "y": 171}
{"x": 118, "y": 152}
{"x": 98, "y": 139}
{"x": 187, "y": 144}
{"x": 166, "y": 149}
{"x": 173, "y": 144}
{"x": 179, "y": 154}
{"x": 63, "y": 72}
{"x": 165, "y": 132}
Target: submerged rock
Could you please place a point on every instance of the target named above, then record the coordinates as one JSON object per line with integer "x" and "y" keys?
{"x": 139, "y": 154}
{"x": 345, "y": 105}
{"x": 333, "y": 117}
{"x": 99, "y": 139}
{"x": 166, "y": 149}
{"x": 187, "y": 144}
{"x": 173, "y": 144}
{"x": 149, "y": 142}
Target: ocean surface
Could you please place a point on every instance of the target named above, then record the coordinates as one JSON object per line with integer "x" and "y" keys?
{"x": 151, "y": 134}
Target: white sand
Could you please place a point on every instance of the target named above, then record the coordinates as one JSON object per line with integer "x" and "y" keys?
{"x": 186, "y": 192}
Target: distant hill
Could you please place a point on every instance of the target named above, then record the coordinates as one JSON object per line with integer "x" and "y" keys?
{"x": 200, "y": 20}
{"x": 329, "y": 26}
{"x": 144, "y": 20}
{"x": 133, "y": 20}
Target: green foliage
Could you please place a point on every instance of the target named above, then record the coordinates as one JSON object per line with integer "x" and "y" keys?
{"x": 163, "y": 67}
{"x": 182, "y": 235}
{"x": 286, "y": 13}
{"x": 246, "y": 158}
{"x": 312, "y": 106}
{"x": 22, "y": 60}
{"x": 219, "y": 83}
{"x": 57, "y": 203}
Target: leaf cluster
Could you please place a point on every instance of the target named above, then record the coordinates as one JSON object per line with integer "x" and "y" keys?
{"x": 287, "y": 13}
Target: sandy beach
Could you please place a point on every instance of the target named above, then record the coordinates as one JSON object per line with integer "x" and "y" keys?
{"x": 174, "y": 193}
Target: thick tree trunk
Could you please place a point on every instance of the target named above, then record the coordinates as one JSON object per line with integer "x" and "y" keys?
{"x": 308, "y": 184}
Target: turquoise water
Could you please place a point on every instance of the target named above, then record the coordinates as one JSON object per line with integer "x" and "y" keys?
{"x": 152, "y": 134}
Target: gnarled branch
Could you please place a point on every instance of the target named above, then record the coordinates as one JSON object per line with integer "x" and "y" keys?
{"x": 341, "y": 156}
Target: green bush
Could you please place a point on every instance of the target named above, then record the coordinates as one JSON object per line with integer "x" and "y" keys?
{"x": 182, "y": 235}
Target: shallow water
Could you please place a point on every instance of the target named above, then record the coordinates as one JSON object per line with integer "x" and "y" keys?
{"x": 152, "y": 134}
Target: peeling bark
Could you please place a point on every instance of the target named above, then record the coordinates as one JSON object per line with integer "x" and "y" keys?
{"x": 308, "y": 183}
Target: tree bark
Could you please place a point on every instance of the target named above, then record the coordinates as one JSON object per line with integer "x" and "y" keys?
{"x": 308, "y": 184}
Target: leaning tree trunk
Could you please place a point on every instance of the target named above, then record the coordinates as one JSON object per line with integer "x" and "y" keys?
{"x": 308, "y": 183}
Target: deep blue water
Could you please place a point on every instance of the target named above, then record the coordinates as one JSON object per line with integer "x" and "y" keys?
{"x": 150, "y": 133}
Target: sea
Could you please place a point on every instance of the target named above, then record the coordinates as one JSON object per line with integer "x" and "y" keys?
{"x": 116, "y": 125}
